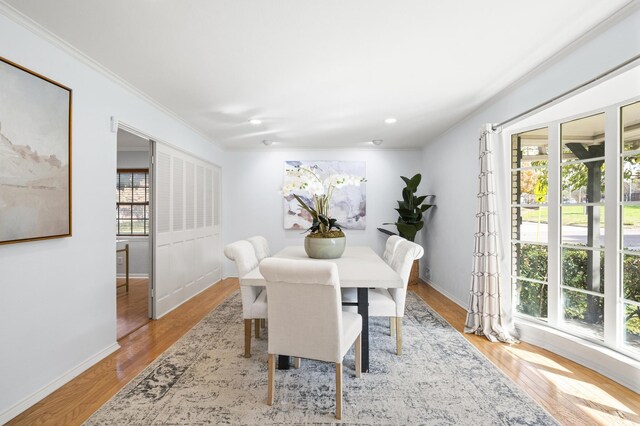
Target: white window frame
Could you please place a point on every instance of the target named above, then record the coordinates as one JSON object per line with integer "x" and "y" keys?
{"x": 613, "y": 301}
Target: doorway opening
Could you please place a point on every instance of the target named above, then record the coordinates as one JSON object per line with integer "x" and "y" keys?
{"x": 133, "y": 232}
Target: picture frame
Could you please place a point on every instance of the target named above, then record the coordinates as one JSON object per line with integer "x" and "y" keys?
{"x": 348, "y": 204}
{"x": 35, "y": 156}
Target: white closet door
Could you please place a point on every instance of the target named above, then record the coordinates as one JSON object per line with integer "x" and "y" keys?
{"x": 187, "y": 246}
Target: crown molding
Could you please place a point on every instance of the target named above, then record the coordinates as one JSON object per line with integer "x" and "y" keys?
{"x": 593, "y": 32}
{"x": 42, "y": 32}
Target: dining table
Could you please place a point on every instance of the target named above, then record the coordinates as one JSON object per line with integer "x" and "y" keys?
{"x": 359, "y": 267}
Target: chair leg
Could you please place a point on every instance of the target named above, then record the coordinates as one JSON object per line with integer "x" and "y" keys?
{"x": 297, "y": 362}
{"x": 398, "y": 335}
{"x": 257, "y": 321}
{"x": 247, "y": 338}
{"x": 392, "y": 326}
{"x": 271, "y": 380}
{"x": 338, "y": 390}
{"x": 359, "y": 355}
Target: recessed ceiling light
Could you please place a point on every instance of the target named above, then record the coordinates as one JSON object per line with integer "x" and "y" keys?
{"x": 267, "y": 142}
{"x": 377, "y": 142}
{"x": 255, "y": 121}
{"x": 390, "y": 120}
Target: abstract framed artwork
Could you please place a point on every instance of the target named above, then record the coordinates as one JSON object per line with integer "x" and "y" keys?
{"x": 348, "y": 204}
{"x": 35, "y": 156}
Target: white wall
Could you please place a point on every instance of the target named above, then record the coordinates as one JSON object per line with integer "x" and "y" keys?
{"x": 450, "y": 162}
{"x": 57, "y": 304}
{"x": 133, "y": 159}
{"x": 138, "y": 246}
{"x": 254, "y": 206}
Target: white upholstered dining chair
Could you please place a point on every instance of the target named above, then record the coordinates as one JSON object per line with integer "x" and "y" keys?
{"x": 390, "y": 302}
{"x": 390, "y": 248}
{"x": 260, "y": 246}
{"x": 254, "y": 299}
{"x": 306, "y": 318}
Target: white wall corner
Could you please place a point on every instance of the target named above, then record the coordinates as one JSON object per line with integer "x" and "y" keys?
{"x": 49, "y": 388}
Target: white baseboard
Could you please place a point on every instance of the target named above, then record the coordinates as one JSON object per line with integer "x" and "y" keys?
{"x": 38, "y": 395}
{"x": 449, "y": 296}
{"x": 191, "y": 297}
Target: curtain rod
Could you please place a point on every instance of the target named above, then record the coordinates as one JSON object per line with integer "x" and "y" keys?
{"x": 568, "y": 92}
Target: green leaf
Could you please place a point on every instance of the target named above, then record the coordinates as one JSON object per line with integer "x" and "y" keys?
{"x": 406, "y": 180}
{"x": 404, "y": 212}
{"x": 415, "y": 181}
{"x": 420, "y": 200}
{"x": 407, "y": 231}
{"x": 406, "y": 196}
{"x": 425, "y": 207}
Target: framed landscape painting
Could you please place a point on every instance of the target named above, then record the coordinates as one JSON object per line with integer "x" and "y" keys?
{"x": 35, "y": 156}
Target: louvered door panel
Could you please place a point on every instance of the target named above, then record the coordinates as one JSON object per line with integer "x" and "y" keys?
{"x": 187, "y": 251}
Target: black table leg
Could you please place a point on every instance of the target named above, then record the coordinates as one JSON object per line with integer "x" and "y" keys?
{"x": 283, "y": 362}
{"x": 363, "y": 310}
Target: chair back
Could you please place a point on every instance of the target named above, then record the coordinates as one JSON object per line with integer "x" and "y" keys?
{"x": 260, "y": 246}
{"x": 242, "y": 253}
{"x": 390, "y": 248}
{"x": 406, "y": 252}
{"x": 304, "y": 308}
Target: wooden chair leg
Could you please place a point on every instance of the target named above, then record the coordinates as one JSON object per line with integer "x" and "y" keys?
{"x": 271, "y": 380}
{"x": 398, "y": 335}
{"x": 359, "y": 355}
{"x": 338, "y": 390}
{"x": 392, "y": 326}
{"x": 247, "y": 338}
{"x": 257, "y": 321}
{"x": 297, "y": 362}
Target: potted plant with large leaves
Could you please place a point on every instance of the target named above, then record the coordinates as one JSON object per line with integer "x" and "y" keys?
{"x": 326, "y": 239}
{"x": 410, "y": 214}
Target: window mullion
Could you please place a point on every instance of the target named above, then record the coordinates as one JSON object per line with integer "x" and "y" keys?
{"x": 553, "y": 200}
{"x": 612, "y": 308}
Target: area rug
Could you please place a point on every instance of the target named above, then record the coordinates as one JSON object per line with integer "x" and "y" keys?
{"x": 440, "y": 379}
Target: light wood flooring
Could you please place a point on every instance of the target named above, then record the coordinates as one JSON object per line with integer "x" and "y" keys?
{"x": 573, "y": 394}
{"x": 132, "y": 305}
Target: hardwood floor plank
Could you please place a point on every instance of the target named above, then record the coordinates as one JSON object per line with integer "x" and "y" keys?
{"x": 132, "y": 306}
{"x": 573, "y": 394}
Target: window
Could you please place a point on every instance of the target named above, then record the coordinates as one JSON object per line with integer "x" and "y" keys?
{"x": 630, "y": 215}
{"x": 575, "y": 226}
{"x": 529, "y": 211}
{"x": 132, "y": 202}
{"x": 582, "y": 225}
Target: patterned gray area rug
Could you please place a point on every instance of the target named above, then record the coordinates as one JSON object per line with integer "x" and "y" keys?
{"x": 440, "y": 379}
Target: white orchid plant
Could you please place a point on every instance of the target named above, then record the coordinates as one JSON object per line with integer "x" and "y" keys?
{"x": 303, "y": 180}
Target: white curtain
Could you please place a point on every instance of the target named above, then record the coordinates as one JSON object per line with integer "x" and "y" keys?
{"x": 485, "y": 315}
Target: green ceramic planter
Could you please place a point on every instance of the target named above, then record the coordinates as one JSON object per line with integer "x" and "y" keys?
{"x": 325, "y": 248}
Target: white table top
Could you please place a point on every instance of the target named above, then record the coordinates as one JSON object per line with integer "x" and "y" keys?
{"x": 358, "y": 267}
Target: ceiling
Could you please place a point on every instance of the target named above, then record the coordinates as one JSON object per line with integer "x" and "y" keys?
{"x": 319, "y": 73}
